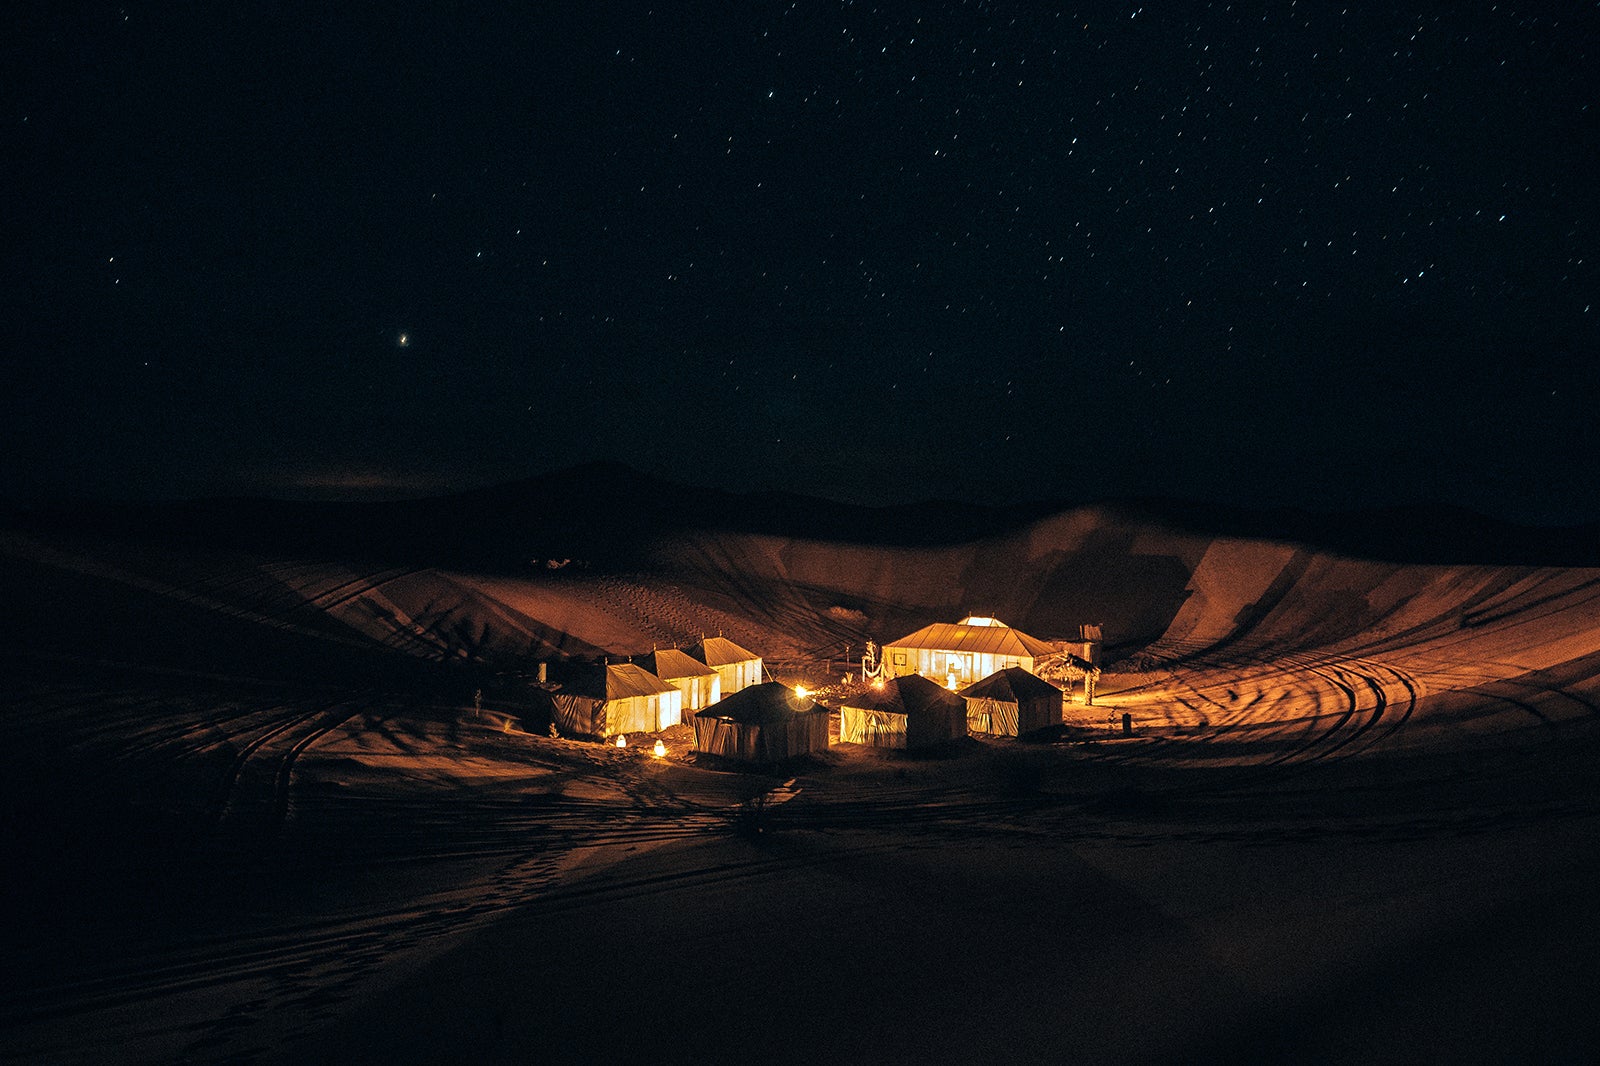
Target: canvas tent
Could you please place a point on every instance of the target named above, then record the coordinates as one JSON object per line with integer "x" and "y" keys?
{"x": 700, "y": 684}
{"x": 1011, "y": 702}
{"x": 963, "y": 651}
{"x": 908, "y": 712}
{"x": 606, "y": 701}
{"x": 737, "y": 667}
{"x": 762, "y": 723}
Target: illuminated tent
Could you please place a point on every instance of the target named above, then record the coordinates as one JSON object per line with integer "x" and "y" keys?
{"x": 737, "y": 667}
{"x": 617, "y": 699}
{"x": 966, "y": 650}
{"x": 1011, "y": 702}
{"x": 762, "y": 723}
{"x": 908, "y": 712}
{"x": 700, "y": 684}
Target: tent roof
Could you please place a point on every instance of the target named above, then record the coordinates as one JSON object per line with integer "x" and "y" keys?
{"x": 1011, "y": 685}
{"x": 720, "y": 651}
{"x": 908, "y": 695}
{"x": 626, "y": 680}
{"x": 983, "y": 640}
{"x": 767, "y": 702}
{"x": 670, "y": 662}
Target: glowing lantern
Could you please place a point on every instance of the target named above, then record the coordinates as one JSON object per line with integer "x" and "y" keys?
{"x": 660, "y": 750}
{"x": 802, "y": 691}
{"x": 622, "y": 740}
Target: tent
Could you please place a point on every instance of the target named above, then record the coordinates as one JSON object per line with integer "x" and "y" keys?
{"x": 1011, "y": 702}
{"x": 762, "y": 723}
{"x": 908, "y": 712}
{"x": 700, "y": 684}
{"x": 737, "y": 667}
{"x": 965, "y": 651}
{"x": 617, "y": 699}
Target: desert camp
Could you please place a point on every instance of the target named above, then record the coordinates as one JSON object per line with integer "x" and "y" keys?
{"x": 428, "y": 431}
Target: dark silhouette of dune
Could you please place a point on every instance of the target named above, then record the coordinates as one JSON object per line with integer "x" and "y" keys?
{"x": 609, "y": 514}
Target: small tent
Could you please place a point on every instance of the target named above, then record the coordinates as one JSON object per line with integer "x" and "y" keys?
{"x": 762, "y": 723}
{"x": 1011, "y": 702}
{"x": 965, "y": 651}
{"x": 606, "y": 701}
{"x": 737, "y": 667}
{"x": 700, "y": 684}
{"x": 908, "y": 712}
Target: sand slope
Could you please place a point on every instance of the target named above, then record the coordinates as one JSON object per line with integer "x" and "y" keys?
{"x": 264, "y": 820}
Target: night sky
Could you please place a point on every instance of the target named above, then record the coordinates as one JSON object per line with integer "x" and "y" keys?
{"x": 1322, "y": 255}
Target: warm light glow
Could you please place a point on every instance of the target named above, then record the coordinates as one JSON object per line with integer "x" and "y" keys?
{"x": 877, "y": 682}
{"x": 622, "y": 740}
{"x": 802, "y": 691}
{"x": 660, "y": 750}
{"x": 950, "y": 682}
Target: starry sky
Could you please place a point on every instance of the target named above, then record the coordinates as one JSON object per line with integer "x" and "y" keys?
{"x": 1273, "y": 254}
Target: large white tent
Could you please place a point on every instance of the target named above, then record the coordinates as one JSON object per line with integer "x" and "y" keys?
{"x": 963, "y": 651}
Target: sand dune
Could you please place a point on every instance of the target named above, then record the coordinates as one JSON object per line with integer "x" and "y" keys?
{"x": 267, "y": 819}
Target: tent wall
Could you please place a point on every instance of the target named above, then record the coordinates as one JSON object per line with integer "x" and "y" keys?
{"x": 699, "y": 691}
{"x": 737, "y": 676}
{"x": 761, "y": 742}
{"x": 936, "y": 725}
{"x": 938, "y": 664}
{"x": 671, "y": 710}
{"x": 715, "y": 736}
{"x": 633, "y": 714}
{"x": 579, "y": 715}
{"x": 1006, "y": 719}
{"x": 996, "y": 717}
{"x": 807, "y": 733}
{"x": 882, "y": 729}
{"x": 1039, "y": 713}
{"x": 647, "y": 714}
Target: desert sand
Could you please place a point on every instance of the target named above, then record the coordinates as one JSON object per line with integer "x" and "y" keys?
{"x": 258, "y": 815}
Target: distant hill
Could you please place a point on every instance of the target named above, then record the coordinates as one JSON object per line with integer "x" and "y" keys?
{"x": 602, "y": 513}
{"x": 608, "y": 515}
{"x": 1394, "y": 534}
